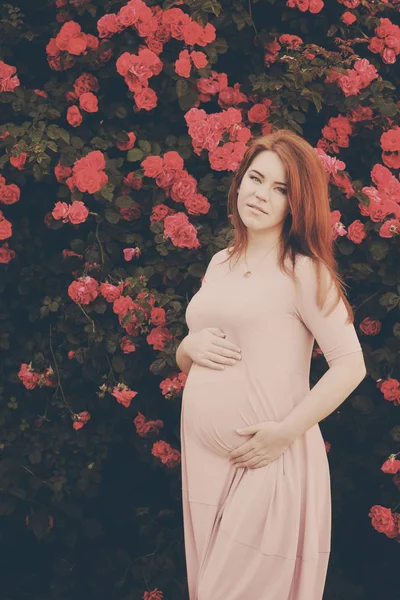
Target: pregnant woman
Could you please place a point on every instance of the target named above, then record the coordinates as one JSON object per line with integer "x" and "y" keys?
{"x": 255, "y": 475}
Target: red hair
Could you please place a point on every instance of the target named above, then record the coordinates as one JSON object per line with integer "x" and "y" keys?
{"x": 307, "y": 229}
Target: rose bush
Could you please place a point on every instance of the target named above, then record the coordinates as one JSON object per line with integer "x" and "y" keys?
{"x": 121, "y": 127}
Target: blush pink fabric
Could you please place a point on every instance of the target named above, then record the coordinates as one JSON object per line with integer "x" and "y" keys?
{"x": 257, "y": 534}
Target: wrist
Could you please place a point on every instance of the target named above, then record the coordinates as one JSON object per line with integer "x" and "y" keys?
{"x": 287, "y": 432}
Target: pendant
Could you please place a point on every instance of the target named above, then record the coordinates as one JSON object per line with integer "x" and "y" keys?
{"x": 247, "y": 274}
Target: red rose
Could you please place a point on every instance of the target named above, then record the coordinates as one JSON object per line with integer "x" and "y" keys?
{"x": 89, "y": 180}
{"x": 81, "y": 419}
{"x": 184, "y": 187}
{"x": 356, "y": 232}
{"x": 6, "y": 255}
{"x": 92, "y": 41}
{"x": 62, "y": 172}
{"x": 86, "y": 82}
{"x": 124, "y": 396}
{"x": 18, "y": 161}
{"x": 129, "y": 143}
{"x": 370, "y": 326}
{"x": 157, "y": 316}
{"x": 383, "y": 521}
{"x": 143, "y": 427}
{"x": 348, "y": 18}
{"x": 146, "y": 99}
{"x": 107, "y": 25}
{"x": 77, "y": 45}
{"x": 61, "y": 211}
{"x": 84, "y": 290}
{"x": 9, "y": 194}
{"x": 110, "y": 292}
{"x": 78, "y": 212}
{"x": 88, "y": 102}
{"x": 152, "y": 166}
{"x": 94, "y": 160}
{"x": 5, "y": 227}
{"x": 392, "y": 466}
{"x": 74, "y": 116}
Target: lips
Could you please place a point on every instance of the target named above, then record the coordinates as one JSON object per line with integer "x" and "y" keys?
{"x": 257, "y": 207}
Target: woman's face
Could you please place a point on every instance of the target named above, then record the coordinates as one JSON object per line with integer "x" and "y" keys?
{"x": 264, "y": 185}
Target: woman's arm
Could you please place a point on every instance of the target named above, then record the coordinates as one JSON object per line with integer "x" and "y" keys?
{"x": 183, "y": 360}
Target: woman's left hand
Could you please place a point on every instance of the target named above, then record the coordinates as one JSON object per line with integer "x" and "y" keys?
{"x": 269, "y": 441}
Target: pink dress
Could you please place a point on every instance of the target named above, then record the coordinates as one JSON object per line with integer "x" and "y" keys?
{"x": 257, "y": 534}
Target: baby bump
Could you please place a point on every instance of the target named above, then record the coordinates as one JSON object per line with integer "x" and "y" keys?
{"x": 216, "y": 403}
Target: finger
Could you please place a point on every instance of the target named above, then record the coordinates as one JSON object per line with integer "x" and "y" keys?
{"x": 249, "y": 461}
{"x": 263, "y": 463}
{"x": 227, "y": 359}
{"x": 245, "y": 457}
{"x": 251, "y": 464}
{"x": 226, "y": 345}
{"x": 243, "y": 449}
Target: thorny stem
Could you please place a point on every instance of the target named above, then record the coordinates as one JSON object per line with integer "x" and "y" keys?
{"x": 101, "y": 247}
{"x": 111, "y": 369}
{"x": 91, "y": 320}
{"x": 33, "y": 474}
{"x": 251, "y": 17}
{"x": 58, "y": 376}
{"x": 366, "y": 300}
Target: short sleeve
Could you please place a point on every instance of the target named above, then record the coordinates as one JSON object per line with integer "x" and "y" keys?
{"x": 334, "y": 335}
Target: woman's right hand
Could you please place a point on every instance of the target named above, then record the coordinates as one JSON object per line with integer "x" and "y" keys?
{"x": 209, "y": 348}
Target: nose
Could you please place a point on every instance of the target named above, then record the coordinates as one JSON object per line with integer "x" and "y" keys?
{"x": 262, "y": 199}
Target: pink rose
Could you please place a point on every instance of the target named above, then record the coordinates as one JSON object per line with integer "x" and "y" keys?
{"x": 88, "y": 102}
{"x": 74, "y": 116}
{"x": 78, "y": 213}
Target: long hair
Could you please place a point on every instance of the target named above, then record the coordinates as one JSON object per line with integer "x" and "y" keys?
{"x": 307, "y": 229}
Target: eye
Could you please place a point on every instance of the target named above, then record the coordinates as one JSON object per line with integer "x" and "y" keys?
{"x": 283, "y": 190}
{"x": 254, "y": 177}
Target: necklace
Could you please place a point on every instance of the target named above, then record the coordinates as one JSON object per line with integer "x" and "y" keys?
{"x": 248, "y": 272}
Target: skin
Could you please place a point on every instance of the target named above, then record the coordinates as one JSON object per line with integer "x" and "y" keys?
{"x": 263, "y": 230}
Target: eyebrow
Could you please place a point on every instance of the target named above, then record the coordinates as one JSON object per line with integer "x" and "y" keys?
{"x": 261, "y": 175}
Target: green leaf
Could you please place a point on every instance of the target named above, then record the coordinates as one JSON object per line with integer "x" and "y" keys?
{"x": 181, "y": 88}
{"x": 122, "y": 136}
{"x": 64, "y": 135}
{"x": 134, "y": 154}
{"x": 53, "y": 146}
{"x": 389, "y": 300}
{"x": 379, "y": 249}
{"x": 37, "y": 172}
{"x": 107, "y": 191}
{"x": 111, "y": 346}
{"x": 171, "y": 140}
{"x": 77, "y": 142}
{"x": 53, "y": 132}
{"x": 111, "y": 216}
{"x": 77, "y": 246}
{"x": 298, "y": 116}
{"x": 144, "y": 145}
{"x": 188, "y": 101}
{"x": 118, "y": 364}
{"x": 100, "y": 306}
{"x": 121, "y": 112}
{"x": 124, "y": 202}
{"x": 395, "y": 433}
